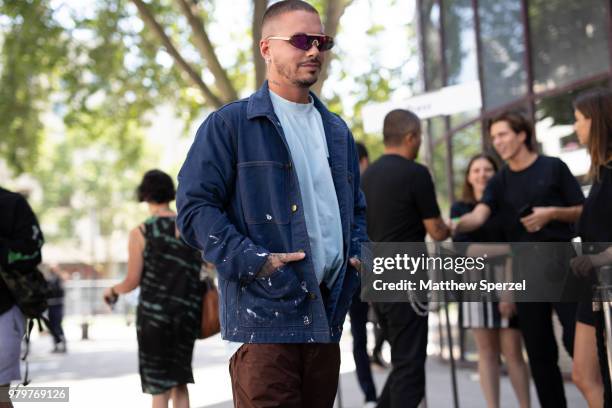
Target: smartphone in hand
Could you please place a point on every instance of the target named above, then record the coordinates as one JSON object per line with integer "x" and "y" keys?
{"x": 111, "y": 300}
{"x": 525, "y": 211}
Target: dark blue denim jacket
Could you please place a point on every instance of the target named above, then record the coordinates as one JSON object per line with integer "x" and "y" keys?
{"x": 238, "y": 200}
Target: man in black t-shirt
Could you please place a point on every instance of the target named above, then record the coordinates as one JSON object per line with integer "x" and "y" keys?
{"x": 402, "y": 207}
{"x": 539, "y": 201}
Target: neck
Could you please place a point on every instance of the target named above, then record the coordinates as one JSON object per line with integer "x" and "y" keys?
{"x": 403, "y": 151}
{"x": 522, "y": 159}
{"x": 478, "y": 193}
{"x": 289, "y": 92}
{"x": 159, "y": 209}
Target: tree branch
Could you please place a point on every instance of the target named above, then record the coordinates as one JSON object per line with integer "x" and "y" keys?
{"x": 334, "y": 9}
{"x": 259, "y": 8}
{"x": 207, "y": 51}
{"x": 150, "y": 21}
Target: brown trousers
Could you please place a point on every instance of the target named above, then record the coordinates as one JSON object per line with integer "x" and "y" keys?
{"x": 285, "y": 375}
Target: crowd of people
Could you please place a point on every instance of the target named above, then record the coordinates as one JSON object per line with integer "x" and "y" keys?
{"x": 275, "y": 193}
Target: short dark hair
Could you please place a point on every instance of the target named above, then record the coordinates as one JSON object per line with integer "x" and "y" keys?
{"x": 156, "y": 187}
{"x": 286, "y": 6}
{"x": 518, "y": 123}
{"x": 362, "y": 152}
{"x": 397, "y": 124}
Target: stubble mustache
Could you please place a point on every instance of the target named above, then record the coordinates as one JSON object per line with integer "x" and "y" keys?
{"x": 316, "y": 61}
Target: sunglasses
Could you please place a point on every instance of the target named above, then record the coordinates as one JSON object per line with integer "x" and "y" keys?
{"x": 306, "y": 41}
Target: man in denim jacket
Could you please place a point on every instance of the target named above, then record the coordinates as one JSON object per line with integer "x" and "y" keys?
{"x": 269, "y": 193}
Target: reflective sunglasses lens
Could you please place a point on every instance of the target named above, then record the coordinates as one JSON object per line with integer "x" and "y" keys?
{"x": 301, "y": 41}
{"x": 325, "y": 43}
{"x": 305, "y": 41}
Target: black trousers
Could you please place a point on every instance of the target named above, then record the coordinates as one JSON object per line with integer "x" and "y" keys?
{"x": 407, "y": 334}
{"x": 535, "y": 322}
{"x": 359, "y": 317}
{"x": 56, "y": 315}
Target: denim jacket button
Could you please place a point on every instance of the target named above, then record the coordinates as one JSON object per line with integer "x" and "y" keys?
{"x": 312, "y": 296}
{"x": 294, "y": 208}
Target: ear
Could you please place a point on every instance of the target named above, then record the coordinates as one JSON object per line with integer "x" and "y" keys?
{"x": 522, "y": 137}
{"x": 412, "y": 137}
{"x": 264, "y": 49}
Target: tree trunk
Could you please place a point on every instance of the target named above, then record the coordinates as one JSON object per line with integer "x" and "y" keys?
{"x": 334, "y": 9}
{"x": 207, "y": 51}
{"x": 259, "y": 8}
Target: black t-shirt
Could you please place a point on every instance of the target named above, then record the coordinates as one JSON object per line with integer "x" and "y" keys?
{"x": 547, "y": 182}
{"x": 490, "y": 231}
{"x": 596, "y": 220}
{"x": 19, "y": 233}
{"x": 400, "y": 195}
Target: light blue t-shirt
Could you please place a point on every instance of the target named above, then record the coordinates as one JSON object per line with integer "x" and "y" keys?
{"x": 303, "y": 129}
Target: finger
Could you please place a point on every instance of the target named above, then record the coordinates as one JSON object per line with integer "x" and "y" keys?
{"x": 291, "y": 256}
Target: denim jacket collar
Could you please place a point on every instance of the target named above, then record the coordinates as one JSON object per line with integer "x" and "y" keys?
{"x": 260, "y": 104}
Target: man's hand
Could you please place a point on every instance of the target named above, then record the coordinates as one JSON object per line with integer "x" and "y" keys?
{"x": 277, "y": 261}
{"x": 537, "y": 219}
{"x": 436, "y": 228}
{"x": 507, "y": 309}
{"x": 356, "y": 263}
{"x": 582, "y": 265}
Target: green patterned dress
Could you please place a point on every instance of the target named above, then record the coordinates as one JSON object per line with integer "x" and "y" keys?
{"x": 169, "y": 307}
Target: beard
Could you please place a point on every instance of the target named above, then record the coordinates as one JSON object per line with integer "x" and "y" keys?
{"x": 284, "y": 71}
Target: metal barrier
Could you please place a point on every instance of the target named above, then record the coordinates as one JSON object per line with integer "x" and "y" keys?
{"x": 83, "y": 297}
{"x": 604, "y": 287}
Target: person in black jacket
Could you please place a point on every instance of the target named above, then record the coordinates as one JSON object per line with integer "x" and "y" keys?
{"x": 590, "y": 372}
{"x": 20, "y": 244}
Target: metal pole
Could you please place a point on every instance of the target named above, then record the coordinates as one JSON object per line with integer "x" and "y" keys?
{"x": 450, "y": 181}
{"x": 449, "y": 336}
{"x": 610, "y": 40}
{"x": 527, "y": 60}
{"x": 481, "y": 78}
{"x": 450, "y": 353}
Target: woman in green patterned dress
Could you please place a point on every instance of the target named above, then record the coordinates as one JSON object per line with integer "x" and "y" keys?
{"x": 169, "y": 306}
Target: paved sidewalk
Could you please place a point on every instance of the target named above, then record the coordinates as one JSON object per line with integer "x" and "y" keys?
{"x": 103, "y": 372}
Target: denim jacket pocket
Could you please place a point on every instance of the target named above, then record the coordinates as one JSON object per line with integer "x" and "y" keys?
{"x": 274, "y": 301}
{"x": 264, "y": 192}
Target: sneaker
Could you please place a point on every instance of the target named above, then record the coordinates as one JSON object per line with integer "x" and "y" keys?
{"x": 60, "y": 347}
{"x": 370, "y": 404}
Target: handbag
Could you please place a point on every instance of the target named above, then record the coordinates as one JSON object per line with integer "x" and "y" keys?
{"x": 210, "y": 310}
